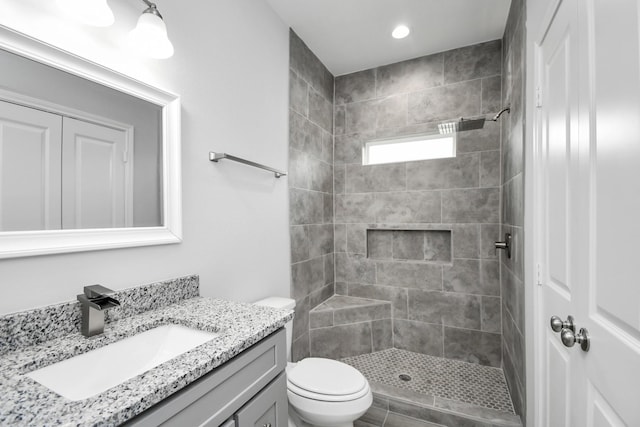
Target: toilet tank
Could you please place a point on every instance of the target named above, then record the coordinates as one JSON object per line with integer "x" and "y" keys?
{"x": 285, "y": 304}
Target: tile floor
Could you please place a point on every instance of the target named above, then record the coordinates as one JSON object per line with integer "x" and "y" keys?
{"x": 470, "y": 383}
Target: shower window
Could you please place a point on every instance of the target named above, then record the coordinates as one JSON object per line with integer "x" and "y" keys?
{"x": 407, "y": 149}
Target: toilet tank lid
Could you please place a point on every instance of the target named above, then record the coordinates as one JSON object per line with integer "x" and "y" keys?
{"x": 277, "y": 302}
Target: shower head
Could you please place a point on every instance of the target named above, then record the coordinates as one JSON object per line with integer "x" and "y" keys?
{"x": 468, "y": 124}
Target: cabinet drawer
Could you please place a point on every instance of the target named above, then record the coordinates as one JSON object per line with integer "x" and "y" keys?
{"x": 214, "y": 398}
{"x": 269, "y": 407}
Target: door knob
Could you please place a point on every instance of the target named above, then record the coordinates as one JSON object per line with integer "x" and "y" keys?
{"x": 557, "y": 324}
{"x": 569, "y": 338}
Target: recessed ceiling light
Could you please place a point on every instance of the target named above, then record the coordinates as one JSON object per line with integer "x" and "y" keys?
{"x": 400, "y": 32}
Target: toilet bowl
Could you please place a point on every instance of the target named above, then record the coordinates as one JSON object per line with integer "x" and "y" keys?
{"x": 322, "y": 392}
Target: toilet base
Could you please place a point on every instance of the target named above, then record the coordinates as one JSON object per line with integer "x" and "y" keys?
{"x": 296, "y": 421}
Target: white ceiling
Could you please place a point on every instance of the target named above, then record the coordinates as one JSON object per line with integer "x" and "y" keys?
{"x": 354, "y": 35}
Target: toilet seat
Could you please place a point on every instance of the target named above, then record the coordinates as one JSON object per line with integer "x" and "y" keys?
{"x": 326, "y": 380}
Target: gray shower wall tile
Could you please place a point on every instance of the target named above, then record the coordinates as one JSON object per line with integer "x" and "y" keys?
{"x": 409, "y": 76}
{"x": 382, "y": 334}
{"x": 348, "y": 148}
{"x": 361, "y": 116}
{"x": 329, "y": 268}
{"x": 321, "y": 295}
{"x": 515, "y": 385}
{"x": 320, "y": 111}
{"x": 485, "y": 139}
{"x": 298, "y": 94}
{"x": 355, "y": 208}
{"x": 513, "y": 296}
{"x": 376, "y": 178}
{"x": 437, "y": 246}
{"x": 514, "y": 344}
{"x": 301, "y": 318}
{"x": 355, "y": 87}
{"x": 320, "y": 319}
{"x": 342, "y": 341}
{"x": 392, "y": 112}
{"x": 513, "y": 203}
{"x": 339, "y": 119}
{"x": 298, "y": 169}
{"x": 327, "y": 147}
{"x": 489, "y": 234}
{"x": 408, "y": 207}
{"x": 490, "y": 169}
{"x": 321, "y": 240}
{"x": 299, "y": 235}
{"x": 448, "y": 102}
{"x": 491, "y": 314}
{"x": 327, "y": 208}
{"x": 461, "y": 171}
{"x": 465, "y": 240}
{"x": 307, "y": 277}
{"x": 304, "y": 135}
{"x": 300, "y": 348}
{"x": 380, "y": 244}
{"x": 478, "y": 277}
{"x": 305, "y": 207}
{"x": 357, "y": 239}
{"x": 355, "y": 268}
{"x": 362, "y": 314}
{"x": 444, "y": 308}
{"x": 471, "y": 206}
{"x": 309, "y": 67}
{"x": 409, "y": 275}
{"x": 473, "y": 62}
{"x": 339, "y": 179}
{"x": 483, "y": 348}
{"x": 340, "y": 237}
{"x": 408, "y": 245}
{"x": 492, "y": 95}
{"x": 396, "y": 296}
{"x": 418, "y": 337}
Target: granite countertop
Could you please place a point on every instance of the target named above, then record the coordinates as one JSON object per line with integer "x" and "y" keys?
{"x": 25, "y": 402}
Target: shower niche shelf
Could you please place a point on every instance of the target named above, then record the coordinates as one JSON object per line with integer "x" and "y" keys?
{"x": 409, "y": 244}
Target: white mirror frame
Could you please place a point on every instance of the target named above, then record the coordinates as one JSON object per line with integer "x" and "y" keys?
{"x": 29, "y": 243}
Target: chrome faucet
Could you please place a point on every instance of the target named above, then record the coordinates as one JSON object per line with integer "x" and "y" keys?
{"x": 94, "y": 302}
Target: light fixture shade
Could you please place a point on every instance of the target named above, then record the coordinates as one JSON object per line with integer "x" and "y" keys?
{"x": 150, "y": 38}
{"x": 91, "y": 12}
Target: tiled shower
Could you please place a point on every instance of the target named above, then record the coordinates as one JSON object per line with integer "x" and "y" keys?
{"x": 400, "y": 257}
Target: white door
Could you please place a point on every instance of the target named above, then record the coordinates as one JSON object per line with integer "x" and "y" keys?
{"x": 94, "y": 184}
{"x": 588, "y": 213}
{"x": 30, "y": 155}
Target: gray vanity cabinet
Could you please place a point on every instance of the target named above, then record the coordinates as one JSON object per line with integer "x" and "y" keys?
{"x": 249, "y": 390}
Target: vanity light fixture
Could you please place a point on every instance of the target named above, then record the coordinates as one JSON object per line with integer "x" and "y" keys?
{"x": 92, "y": 12}
{"x": 400, "y": 32}
{"x": 150, "y": 37}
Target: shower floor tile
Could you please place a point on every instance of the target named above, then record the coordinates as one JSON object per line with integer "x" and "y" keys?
{"x": 436, "y": 377}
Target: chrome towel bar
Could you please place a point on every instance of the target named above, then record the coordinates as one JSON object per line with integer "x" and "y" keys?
{"x": 215, "y": 157}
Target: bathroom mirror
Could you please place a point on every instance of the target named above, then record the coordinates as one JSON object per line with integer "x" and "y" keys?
{"x": 89, "y": 158}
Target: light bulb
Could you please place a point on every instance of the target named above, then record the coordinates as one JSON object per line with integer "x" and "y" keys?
{"x": 91, "y": 12}
{"x": 150, "y": 38}
{"x": 400, "y": 32}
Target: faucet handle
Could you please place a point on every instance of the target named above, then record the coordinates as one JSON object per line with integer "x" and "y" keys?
{"x": 95, "y": 291}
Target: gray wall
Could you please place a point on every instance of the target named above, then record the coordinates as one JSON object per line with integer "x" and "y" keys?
{"x": 310, "y": 187}
{"x": 513, "y": 205}
{"x": 444, "y": 286}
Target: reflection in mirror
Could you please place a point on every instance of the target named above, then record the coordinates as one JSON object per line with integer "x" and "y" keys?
{"x": 75, "y": 154}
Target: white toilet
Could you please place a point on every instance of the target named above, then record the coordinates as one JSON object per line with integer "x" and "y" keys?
{"x": 322, "y": 392}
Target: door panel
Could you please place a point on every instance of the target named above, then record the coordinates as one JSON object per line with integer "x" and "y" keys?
{"x": 30, "y": 152}
{"x": 559, "y": 207}
{"x": 94, "y": 191}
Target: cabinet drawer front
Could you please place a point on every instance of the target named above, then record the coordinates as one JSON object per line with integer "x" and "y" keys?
{"x": 269, "y": 407}
{"x": 212, "y": 399}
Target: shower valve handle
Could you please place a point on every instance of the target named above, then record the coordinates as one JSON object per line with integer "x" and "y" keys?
{"x": 505, "y": 245}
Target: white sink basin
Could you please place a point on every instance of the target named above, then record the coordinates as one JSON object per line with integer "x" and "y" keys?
{"x": 94, "y": 372}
